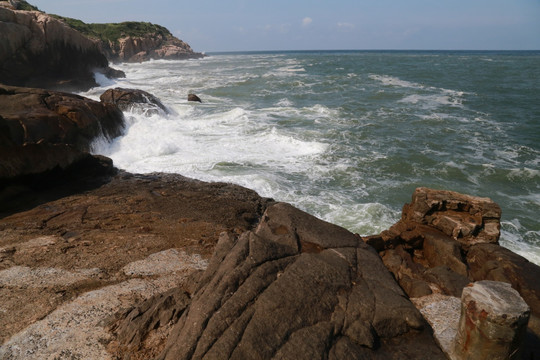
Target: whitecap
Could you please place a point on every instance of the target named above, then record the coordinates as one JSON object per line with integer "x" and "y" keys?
{"x": 395, "y": 81}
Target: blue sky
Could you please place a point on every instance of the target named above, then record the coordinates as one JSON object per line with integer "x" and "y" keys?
{"x": 242, "y": 25}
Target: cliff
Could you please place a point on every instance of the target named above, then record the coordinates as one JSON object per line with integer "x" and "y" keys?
{"x": 134, "y": 41}
{"x": 37, "y": 50}
{"x": 49, "y": 51}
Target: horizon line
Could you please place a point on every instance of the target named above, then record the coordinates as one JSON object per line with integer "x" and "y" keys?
{"x": 370, "y": 50}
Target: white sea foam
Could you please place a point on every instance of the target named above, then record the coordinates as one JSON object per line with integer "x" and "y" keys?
{"x": 395, "y": 81}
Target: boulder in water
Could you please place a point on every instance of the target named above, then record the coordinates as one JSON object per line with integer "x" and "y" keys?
{"x": 193, "y": 97}
{"x": 129, "y": 99}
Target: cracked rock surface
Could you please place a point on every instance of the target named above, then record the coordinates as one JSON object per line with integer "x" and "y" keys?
{"x": 298, "y": 288}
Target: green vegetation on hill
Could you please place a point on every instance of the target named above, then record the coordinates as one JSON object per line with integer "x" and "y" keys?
{"x": 113, "y": 32}
{"x": 23, "y": 5}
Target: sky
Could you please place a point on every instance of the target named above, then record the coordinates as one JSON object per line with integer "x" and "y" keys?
{"x": 258, "y": 25}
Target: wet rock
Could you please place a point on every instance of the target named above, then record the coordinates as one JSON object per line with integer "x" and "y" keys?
{"x": 298, "y": 287}
{"x": 45, "y": 132}
{"x": 134, "y": 99}
{"x": 37, "y": 116}
{"x": 193, "y": 97}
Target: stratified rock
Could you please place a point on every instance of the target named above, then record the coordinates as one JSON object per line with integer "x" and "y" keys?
{"x": 467, "y": 219}
{"x": 37, "y": 50}
{"x": 129, "y": 99}
{"x": 447, "y": 240}
{"x": 134, "y": 325}
{"x": 298, "y": 288}
{"x": 193, "y": 97}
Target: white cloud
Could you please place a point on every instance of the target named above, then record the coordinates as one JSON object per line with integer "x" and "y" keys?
{"x": 306, "y": 21}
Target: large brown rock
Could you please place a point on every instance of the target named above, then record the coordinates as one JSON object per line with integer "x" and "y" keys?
{"x": 467, "y": 219}
{"x": 134, "y": 99}
{"x": 298, "y": 288}
{"x": 46, "y": 116}
{"x": 43, "y": 129}
{"x": 492, "y": 262}
{"x": 37, "y": 50}
{"x": 447, "y": 240}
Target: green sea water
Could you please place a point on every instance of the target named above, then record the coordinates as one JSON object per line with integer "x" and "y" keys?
{"x": 349, "y": 135}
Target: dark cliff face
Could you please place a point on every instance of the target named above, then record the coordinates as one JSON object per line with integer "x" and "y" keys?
{"x": 38, "y": 50}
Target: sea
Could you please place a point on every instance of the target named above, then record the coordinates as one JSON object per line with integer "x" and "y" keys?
{"x": 346, "y": 135}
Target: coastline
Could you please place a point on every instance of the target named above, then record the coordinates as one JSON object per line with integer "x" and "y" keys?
{"x": 164, "y": 266}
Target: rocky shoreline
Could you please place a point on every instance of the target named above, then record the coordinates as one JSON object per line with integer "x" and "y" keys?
{"x": 162, "y": 266}
{"x": 98, "y": 263}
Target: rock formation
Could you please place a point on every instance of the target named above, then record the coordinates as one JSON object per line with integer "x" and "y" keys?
{"x": 298, "y": 288}
{"x": 134, "y": 99}
{"x": 70, "y": 256}
{"x": 146, "y": 47}
{"x": 37, "y": 50}
{"x": 446, "y": 240}
{"x": 193, "y": 97}
{"x": 44, "y": 129}
{"x": 133, "y": 41}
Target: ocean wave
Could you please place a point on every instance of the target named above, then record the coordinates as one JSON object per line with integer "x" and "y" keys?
{"x": 395, "y": 81}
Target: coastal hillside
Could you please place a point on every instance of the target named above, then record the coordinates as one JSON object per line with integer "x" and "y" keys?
{"x": 133, "y": 41}
{"x": 55, "y": 52}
